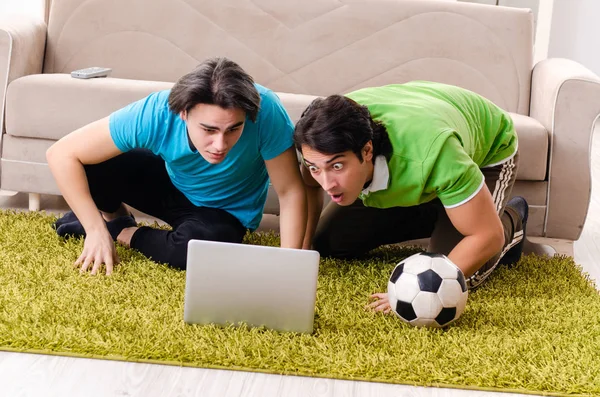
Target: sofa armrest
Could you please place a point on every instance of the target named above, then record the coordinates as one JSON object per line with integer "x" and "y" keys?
{"x": 565, "y": 98}
{"x": 22, "y": 44}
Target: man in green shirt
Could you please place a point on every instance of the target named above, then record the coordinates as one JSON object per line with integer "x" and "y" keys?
{"x": 426, "y": 160}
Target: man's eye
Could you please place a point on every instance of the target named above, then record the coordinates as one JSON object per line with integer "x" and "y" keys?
{"x": 312, "y": 168}
{"x": 338, "y": 166}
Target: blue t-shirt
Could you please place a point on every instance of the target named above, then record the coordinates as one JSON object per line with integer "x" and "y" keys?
{"x": 239, "y": 183}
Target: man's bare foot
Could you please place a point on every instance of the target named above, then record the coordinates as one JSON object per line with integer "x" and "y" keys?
{"x": 125, "y": 236}
{"x": 109, "y": 216}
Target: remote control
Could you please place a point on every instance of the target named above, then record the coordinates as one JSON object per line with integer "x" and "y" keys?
{"x": 89, "y": 73}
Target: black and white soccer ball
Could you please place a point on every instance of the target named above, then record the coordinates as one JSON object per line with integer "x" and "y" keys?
{"x": 427, "y": 290}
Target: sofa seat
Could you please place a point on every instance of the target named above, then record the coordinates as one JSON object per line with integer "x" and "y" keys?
{"x": 49, "y": 106}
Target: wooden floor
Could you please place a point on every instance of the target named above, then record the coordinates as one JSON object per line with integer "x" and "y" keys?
{"x": 41, "y": 375}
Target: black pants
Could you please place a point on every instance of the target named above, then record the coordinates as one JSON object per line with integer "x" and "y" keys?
{"x": 355, "y": 229}
{"x": 139, "y": 179}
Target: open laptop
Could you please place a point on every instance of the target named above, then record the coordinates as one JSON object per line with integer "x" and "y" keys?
{"x": 230, "y": 283}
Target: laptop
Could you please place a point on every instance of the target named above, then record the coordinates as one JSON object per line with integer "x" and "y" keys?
{"x": 229, "y": 283}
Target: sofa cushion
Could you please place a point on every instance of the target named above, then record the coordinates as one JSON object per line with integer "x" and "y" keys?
{"x": 295, "y": 104}
{"x": 533, "y": 148}
{"x": 52, "y": 105}
{"x": 49, "y": 106}
{"x": 313, "y": 47}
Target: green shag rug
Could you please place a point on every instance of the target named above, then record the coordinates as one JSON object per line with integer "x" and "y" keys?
{"x": 534, "y": 328}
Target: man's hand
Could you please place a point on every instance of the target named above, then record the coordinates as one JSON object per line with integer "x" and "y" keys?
{"x": 98, "y": 249}
{"x": 381, "y": 303}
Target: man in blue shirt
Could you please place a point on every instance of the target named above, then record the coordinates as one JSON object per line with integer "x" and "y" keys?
{"x": 198, "y": 156}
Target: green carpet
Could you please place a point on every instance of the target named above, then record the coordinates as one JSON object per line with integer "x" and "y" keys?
{"x": 533, "y": 328}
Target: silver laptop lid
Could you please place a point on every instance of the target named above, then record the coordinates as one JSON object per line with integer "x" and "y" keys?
{"x": 230, "y": 283}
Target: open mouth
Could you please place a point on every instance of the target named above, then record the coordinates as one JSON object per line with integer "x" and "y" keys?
{"x": 337, "y": 197}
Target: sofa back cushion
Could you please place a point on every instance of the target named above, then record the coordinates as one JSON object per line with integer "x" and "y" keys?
{"x": 316, "y": 47}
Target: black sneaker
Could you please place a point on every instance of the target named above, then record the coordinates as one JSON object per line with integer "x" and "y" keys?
{"x": 512, "y": 256}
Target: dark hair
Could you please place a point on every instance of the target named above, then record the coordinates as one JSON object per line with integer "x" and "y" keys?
{"x": 216, "y": 81}
{"x": 337, "y": 124}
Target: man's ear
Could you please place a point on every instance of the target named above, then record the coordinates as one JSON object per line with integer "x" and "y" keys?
{"x": 183, "y": 115}
{"x": 367, "y": 151}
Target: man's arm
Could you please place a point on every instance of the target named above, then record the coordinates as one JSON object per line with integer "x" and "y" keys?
{"x": 479, "y": 223}
{"x": 483, "y": 233}
{"x": 285, "y": 177}
{"x": 90, "y": 144}
{"x": 314, "y": 196}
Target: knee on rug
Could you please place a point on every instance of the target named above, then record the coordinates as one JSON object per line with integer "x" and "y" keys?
{"x": 328, "y": 246}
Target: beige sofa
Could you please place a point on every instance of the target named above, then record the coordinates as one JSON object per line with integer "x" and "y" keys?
{"x": 299, "y": 49}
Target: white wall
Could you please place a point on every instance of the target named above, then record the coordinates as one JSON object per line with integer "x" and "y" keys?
{"x": 575, "y": 32}
{"x": 29, "y": 7}
{"x": 542, "y": 32}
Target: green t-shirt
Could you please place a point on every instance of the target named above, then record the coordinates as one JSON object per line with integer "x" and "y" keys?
{"x": 441, "y": 136}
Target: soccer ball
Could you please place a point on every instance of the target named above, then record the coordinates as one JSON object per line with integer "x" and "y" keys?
{"x": 427, "y": 290}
